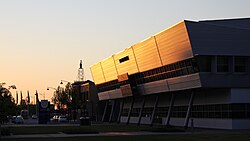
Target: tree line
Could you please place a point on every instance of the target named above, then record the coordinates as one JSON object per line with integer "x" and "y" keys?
{"x": 7, "y": 103}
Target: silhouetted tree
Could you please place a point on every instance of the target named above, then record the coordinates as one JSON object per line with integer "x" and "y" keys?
{"x": 22, "y": 105}
{"x": 28, "y": 98}
{"x": 61, "y": 98}
{"x": 68, "y": 90}
{"x": 21, "y": 98}
{"x": 7, "y": 103}
{"x": 16, "y": 98}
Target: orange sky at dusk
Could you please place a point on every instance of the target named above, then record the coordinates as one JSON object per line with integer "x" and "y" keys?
{"x": 42, "y": 42}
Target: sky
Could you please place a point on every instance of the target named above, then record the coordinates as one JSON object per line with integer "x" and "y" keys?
{"x": 43, "y": 41}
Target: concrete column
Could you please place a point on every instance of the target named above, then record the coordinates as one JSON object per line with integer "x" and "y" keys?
{"x": 142, "y": 107}
{"x": 130, "y": 110}
{"x": 112, "y": 111}
{"x": 170, "y": 109}
{"x": 105, "y": 111}
{"x": 153, "y": 113}
{"x": 120, "y": 112}
{"x": 189, "y": 110}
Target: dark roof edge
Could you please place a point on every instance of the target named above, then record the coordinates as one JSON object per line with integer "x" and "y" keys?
{"x": 236, "y": 23}
{"x": 226, "y": 19}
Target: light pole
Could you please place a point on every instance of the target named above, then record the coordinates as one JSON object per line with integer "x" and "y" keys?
{"x": 51, "y": 88}
{"x": 64, "y": 81}
{"x": 48, "y": 88}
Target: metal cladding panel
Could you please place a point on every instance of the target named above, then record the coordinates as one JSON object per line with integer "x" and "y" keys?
{"x": 147, "y": 55}
{"x": 207, "y": 39}
{"x": 122, "y": 77}
{"x": 109, "y": 69}
{"x": 103, "y": 95}
{"x": 172, "y": 84}
{"x": 174, "y": 44}
{"x": 184, "y": 82}
{"x": 97, "y": 73}
{"x": 128, "y": 66}
{"x": 126, "y": 90}
{"x": 112, "y": 94}
{"x": 156, "y": 87}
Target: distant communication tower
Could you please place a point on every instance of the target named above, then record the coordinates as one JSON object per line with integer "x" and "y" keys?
{"x": 80, "y": 76}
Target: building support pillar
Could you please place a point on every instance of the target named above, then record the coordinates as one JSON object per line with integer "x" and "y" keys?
{"x": 189, "y": 110}
{"x": 170, "y": 109}
{"x": 112, "y": 111}
{"x": 142, "y": 107}
{"x": 153, "y": 113}
{"x": 120, "y": 111}
{"x": 105, "y": 110}
{"x": 130, "y": 110}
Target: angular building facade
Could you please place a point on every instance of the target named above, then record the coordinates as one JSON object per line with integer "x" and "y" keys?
{"x": 192, "y": 71}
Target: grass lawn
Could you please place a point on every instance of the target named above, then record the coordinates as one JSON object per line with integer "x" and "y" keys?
{"x": 186, "y": 137}
{"x": 196, "y": 136}
{"x": 76, "y": 129}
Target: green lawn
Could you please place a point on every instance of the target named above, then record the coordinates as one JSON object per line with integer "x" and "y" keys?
{"x": 77, "y": 129}
{"x": 198, "y": 135}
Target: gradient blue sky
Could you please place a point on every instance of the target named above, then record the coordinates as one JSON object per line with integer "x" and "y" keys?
{"x": 42, "y": 41}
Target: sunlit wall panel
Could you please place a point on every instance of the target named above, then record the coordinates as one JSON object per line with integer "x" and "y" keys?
{"x": 146, "y": 54}
{"x": 174, "y": 44}
{"x": 109, "y": 69}
{"x": 125, "y": 62}
{"x": 97, "y": 73}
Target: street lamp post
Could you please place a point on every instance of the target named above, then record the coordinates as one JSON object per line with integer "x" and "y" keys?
{"x": 51, "y": 88}
{"x": 48, "y": 88}
{"x": 64, "y": 81}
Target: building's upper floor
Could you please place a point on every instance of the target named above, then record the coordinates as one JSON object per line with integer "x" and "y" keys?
{"x": 225, "y": 40}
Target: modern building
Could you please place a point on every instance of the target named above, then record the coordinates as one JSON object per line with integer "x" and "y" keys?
{"x": 84, "y": 100}
{"x": 193, "y": 73}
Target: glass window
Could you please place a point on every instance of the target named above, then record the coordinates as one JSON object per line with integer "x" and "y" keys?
{"x": 238, "y": 107}
{"x": 195, "y": 65}
{"x": 238, "y": 115}
{"x": 204, "y": 63}
{"x": 182, "y": 64}
{"x": 240, "y": 64}
{"x": 171, "y": 66}
{"x": 167, "y": 68}
{"x": 126, "y": 58}
{"x": 177, "y": 66}
{"x": 222, "y": 64}
{"x": 188, "y": 63}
